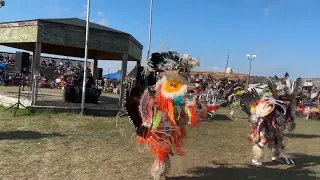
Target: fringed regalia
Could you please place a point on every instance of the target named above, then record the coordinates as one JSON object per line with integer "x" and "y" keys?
{"x": 207, "y": 104}
{"x": 159, "y": 111}
{"x": 269, "y": 118}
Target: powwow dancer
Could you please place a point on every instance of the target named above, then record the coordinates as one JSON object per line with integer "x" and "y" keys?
{"x": 270, "y": 117}
{"x": 268, "y": 121}
{"x": 207, "y": 104}
{"x": 159, "y": 112}
{"x": 234, "y": 99}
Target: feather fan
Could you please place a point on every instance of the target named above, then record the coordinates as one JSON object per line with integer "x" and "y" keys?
{"x": 249, "y": 99}
{"x": 132, "y": 104}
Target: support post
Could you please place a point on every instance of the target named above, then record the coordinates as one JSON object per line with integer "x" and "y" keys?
{"x": 137, "y": 69}
{"x": 35, "y": 73}
{"x": 150, "y": 28}
{"x": 95, "y": 68}
{"x": 227, "y": 63}
{"x": 248, "y": 82}
{"x": 83, "y": 99}
{"x": 124, "y": 65}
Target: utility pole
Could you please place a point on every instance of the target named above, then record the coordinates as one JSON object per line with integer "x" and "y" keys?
{"x": 251, "y": 57}
{"x": 150, "y": 28}
{"x": 225, "y": 70}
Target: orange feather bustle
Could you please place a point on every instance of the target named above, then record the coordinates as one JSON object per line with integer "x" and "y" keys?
{"x": 213, "y": 108}
{"x": 160, "y": 143}
{"x": 159, "y": 148}
{"x": 166, "y": 105}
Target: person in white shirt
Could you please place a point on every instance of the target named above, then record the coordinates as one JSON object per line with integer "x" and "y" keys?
{"x": 287, "y": 80}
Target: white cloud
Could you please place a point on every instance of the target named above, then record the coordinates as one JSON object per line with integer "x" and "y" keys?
{"x": 100, "y": 13}
{"x": 218, "y": 69}
{"x": 104, "y": 22}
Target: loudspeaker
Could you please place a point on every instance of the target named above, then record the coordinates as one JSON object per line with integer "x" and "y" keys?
{"x": 22, "y": 62}
{"x": 100, "y": 72}
{"x": 74, "y": 94}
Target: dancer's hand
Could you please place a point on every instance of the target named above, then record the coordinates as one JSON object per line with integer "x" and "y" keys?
{"x": 291, "y": 126}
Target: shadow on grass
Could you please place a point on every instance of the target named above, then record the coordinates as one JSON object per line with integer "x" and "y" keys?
{"x": 302, "y": 136}
{"x": 108, "y": 100}
{"x": 221, "y": 117}
{"x": 24, "y": 112}
{"x": 300, "y": 171}
{"x": 21, "y": 135}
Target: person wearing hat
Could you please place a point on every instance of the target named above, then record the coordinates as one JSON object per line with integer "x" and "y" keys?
{"x": 291, "y": 113}
{"x": 286, "y": 76}
{"x": 287, "y": 81}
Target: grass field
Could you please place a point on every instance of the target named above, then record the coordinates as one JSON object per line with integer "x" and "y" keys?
{"x": 67, "y": 146}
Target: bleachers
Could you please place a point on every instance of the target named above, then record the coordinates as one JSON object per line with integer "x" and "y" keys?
{"x": 50, "y": 67}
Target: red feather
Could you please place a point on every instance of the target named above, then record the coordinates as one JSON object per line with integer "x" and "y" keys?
{"x": 212, "y": 108}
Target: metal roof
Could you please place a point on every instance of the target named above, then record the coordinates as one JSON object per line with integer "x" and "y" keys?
{"x": 80, "y": 23}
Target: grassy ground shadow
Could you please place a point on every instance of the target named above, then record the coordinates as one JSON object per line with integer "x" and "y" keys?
{"x": 20, "y": 135}
{"x": 300, "y": 171}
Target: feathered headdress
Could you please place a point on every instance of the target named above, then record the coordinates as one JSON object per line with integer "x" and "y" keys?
{"x": 171, "y": 60}
{"x": 250, "y": 100}
{"x": 140, "y": 98}
{"x": 257, "y": 106}
{"x": 280, "y": 90}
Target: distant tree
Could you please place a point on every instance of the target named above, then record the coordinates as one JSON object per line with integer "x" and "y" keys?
{"x": 119, "y": 71}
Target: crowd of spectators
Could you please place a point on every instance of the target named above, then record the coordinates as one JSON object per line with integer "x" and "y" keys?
{"x": 52, "y": 71}
{"x": 57, "y": 73}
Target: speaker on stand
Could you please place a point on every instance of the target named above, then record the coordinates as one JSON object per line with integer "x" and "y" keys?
{"x": 21, "y": 66}
{"x": 22, "y": 63}
{"x": 100, "y": 72}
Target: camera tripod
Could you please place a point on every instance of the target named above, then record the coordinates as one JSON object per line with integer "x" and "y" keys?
{"x": 18, "y": 104}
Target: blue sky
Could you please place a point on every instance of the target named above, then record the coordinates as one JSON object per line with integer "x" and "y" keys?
{"x": 283, "y": 33}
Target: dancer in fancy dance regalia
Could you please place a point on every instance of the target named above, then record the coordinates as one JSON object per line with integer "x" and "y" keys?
{"x": 159, "y": 112}
{"x": 269, "y": 118}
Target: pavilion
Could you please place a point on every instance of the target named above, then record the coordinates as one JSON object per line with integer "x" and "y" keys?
{"x": 67, "y": 37}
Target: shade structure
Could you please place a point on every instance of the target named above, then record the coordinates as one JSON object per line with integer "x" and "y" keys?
{"x": 116, "y": 76}
{"x": 66, "y": 36}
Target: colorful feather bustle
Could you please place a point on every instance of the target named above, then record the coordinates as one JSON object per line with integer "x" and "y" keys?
{"x": 270, "y": 114}
{"x": 160, "y": 111}
{"x": 167, "y": 115}
{"x": 165, "y": 105}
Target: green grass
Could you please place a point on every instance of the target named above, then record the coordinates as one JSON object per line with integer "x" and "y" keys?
{"x": 69, "y": 146}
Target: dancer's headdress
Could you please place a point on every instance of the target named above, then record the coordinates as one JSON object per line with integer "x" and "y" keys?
{"x": 258, "y": 106}
{"x": 281, "y": 91}
{"x": 140, "y": 100}
{"x": 171, "y": 60}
